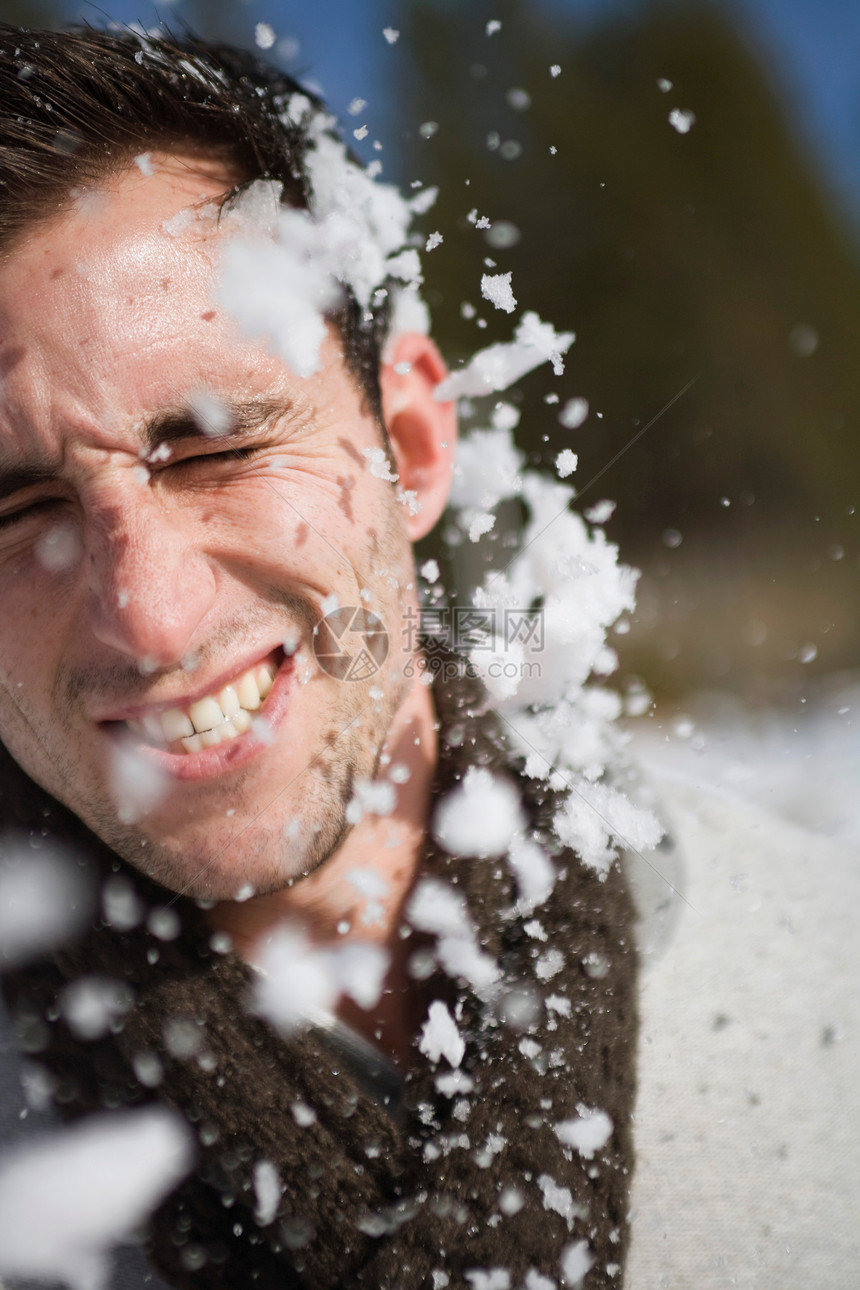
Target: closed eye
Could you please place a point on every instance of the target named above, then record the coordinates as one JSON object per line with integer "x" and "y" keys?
{"x": 29, "y": 511}
{"x": 206, "y": 458}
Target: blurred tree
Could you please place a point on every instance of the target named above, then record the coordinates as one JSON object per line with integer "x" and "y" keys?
{"x": 32, "y": 13}
{"x": 708, "y": 249}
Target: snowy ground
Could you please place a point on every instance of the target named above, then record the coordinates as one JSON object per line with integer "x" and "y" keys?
{"x": 748, "y": 1118}
{"x": 804, "y": 765}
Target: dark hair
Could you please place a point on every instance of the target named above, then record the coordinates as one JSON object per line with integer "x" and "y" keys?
{"x": 77, "y": 106}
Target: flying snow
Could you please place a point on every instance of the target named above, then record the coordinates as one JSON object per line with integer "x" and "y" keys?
{"x": 587, "y": 1133}
{"x": 576, "y": 1259}
{"x": 137, "y": 784}
{"x": 682, "y": 121}
{"x": 480, "y": 816}
{"x": 437, "y": 908}
{"x": 267, "y": 1190}
{"x": 211, "y": 415}
{"x": 496, "y": 287}
{"x": 59, "y": 548}
{"x": 45, "y": 899}
{"x": 298, "y": 982}
{"x": 264, "y": 35}
{"x": 69, "y": 1197}
{"x": 565, "y": 463}
{"x": 574, "y": 413}
{"x": 440, "y": 1036}
{"x": 499, "y": 366}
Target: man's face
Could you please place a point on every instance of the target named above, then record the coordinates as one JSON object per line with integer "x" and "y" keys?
{"x": 132, "y": 588}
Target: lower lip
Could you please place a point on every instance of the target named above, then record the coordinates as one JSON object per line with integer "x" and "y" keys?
{"x": 212, "y": 762}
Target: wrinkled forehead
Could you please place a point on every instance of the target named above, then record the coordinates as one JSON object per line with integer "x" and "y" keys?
{"x": 113, "y": 238}
{"x": 111, "y": 303}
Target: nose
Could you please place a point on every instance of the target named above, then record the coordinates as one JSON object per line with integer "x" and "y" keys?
{"x": 149, "y": 586}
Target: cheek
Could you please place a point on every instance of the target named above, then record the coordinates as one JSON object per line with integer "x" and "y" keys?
{"x": 28, "y": 721}
{"x": 38, "y": 571}
{"x": 32, "y": 627}
{"x": 316, "y": 528}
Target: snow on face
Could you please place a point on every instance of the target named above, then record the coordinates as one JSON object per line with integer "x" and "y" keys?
{"x": 286, "y": 269}
{"x": 162, "y": 629}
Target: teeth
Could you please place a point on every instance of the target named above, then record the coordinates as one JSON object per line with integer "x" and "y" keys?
{"x": 153, "y": 728}
{"x": 206, "y": 715}
{"x": 241, "y": 722}
{"x": 211, "y": 720}
{"x": 229, "y": 701}
{"x": 249, "y": 692}
{"x": 175, "y": 724}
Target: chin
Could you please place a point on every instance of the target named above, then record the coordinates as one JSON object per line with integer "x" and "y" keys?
{"x": 243, "y": 862}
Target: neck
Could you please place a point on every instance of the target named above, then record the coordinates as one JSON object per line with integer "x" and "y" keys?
{"x": 359, "y": 892}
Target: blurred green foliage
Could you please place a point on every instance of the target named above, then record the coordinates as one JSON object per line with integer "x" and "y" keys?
{"x": 714, "y": 254}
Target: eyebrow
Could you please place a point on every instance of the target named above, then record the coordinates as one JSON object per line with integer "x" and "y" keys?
{"x": 174, "y": 425}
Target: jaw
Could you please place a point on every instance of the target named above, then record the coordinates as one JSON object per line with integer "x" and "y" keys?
{"x": 260, "y": 811}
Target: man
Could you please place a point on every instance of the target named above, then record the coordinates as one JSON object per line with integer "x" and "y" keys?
{"x": 185, "y": 515}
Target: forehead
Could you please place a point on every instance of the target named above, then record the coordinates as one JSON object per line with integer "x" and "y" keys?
{"x": 106, "y": 312}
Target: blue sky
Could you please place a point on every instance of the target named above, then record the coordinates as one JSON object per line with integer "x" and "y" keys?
{"x": 811, "y": 48}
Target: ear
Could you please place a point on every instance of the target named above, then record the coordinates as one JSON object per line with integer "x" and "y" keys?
{"x": 423, "y": 431}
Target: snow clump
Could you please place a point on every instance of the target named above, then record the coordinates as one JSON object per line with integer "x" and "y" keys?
{"x": 137, "y": 784}
{"x": 499, "y": 366}
{"x": 682, "y": 121}
{"x": 489, "y": 1279}
{"x": 576, "y": 1259}
{"x": 566, "y": 463}
{"x": 92, "y": 1004}
{"x": 65, "y": 1200}
{"x": 299, "y": 984}
{"x": 542, "y": 666}
{"x": 573, "y": 414}
{"x": 440, "y": 1036}
{"x": 487, "y": 470}
{"x": 438, "y": 909}
{"x": 496, "y": 287}
{"x": 283, "y": 270}
{"x": 587, "y": 1133}
{"x": 534, "y": 873}
{"x": 267, "y": 1190}
{"x": 480, "y": 816}
{"x": 559, "y": 1199}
